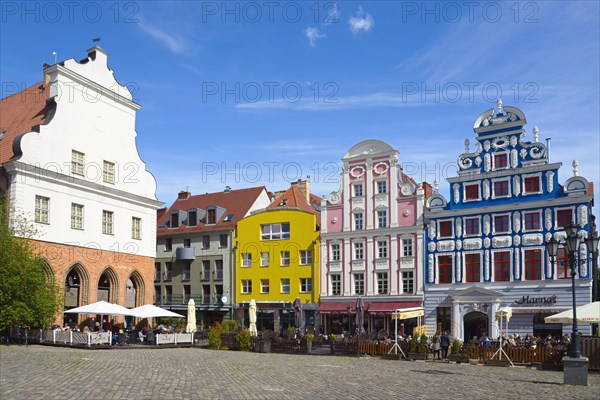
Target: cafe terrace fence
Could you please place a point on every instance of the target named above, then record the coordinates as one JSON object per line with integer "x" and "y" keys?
{"x": 88, "y": 339}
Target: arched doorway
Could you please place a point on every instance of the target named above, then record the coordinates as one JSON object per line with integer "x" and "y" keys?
{"x": 76, "y": 286}
{"x": 475, "y": 324}
{"x": 104, "y": 288}
{"x": 134, "y": 294}
{"x": 108, "y": 286}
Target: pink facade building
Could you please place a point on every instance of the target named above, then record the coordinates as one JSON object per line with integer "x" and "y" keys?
{"x": 371, "y": 238}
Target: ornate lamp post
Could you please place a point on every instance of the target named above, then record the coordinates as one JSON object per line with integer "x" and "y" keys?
{"x": 572, "y": 245}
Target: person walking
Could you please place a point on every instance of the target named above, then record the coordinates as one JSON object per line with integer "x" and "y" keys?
{"x": 436, "y": 347}
{"x": 444, "y": 344}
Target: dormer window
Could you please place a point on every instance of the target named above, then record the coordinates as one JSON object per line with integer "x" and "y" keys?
{"x": 192, "y": 218}
{"x": 500, "y": 161}
{"x": 175, "y": 219}
{"x": 472, "y": 192}
{"x": 211, "y": 216}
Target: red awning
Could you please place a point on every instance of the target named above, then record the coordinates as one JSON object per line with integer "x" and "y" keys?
{"x": 371, "y": 306}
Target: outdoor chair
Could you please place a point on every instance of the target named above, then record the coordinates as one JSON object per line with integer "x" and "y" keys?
{"x": 122, "y": 339}
{"x": 150, "y": 339}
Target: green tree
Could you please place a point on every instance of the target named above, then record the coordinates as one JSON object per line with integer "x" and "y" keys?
{"x": 27, "y": 297}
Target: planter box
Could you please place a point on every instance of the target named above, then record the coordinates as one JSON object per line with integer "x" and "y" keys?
{"x": 417, "y": 356}
{"x": 309, "y": 346}
{"x": 459, "y": 358}
{"x": 498, "y": 363}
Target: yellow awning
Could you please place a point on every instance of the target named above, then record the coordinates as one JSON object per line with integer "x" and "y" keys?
{"x": 406, "y": 313}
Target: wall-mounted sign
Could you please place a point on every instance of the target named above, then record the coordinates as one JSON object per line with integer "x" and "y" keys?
{"x": 536, "y": 300}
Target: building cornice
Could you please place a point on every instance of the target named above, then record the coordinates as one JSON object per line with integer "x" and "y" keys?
{"x": 504, "y": 172}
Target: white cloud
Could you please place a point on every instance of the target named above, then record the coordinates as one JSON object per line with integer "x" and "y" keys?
{"x": 362, "y": 22}
{"x": 176, "y": 44}
{"x": 313, "y": 34}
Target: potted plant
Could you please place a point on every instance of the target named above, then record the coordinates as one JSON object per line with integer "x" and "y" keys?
{"x": 309, "y": 337}
{"x": 457, "y": 354}
{"x": 244, "y": 340}
{"x": 417, "y": 348}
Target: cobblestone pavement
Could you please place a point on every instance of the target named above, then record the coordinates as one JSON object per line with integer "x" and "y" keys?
{"x": 43, "y": 372}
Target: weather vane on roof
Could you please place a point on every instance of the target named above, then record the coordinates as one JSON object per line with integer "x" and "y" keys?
{"x": 96, "y": 40}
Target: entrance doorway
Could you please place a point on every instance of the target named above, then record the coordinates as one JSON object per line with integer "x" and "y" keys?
{"x": 475, "y": 324}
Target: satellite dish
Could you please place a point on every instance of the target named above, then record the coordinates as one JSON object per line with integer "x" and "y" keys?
{"x": 224, "y": 299}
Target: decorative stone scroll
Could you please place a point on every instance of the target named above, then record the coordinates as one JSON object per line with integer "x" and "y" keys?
{"x": 550, "y": 181}
{"x": 516, "y": 185}
{"x": 501, "y": 241}
{"x": 516, "y": 221}
{"x": 548, "y": 218}
{"x": 445, "y": 245}
{"x": 430, "y": 269}
{"x": 486, "y": 224}
{"x": 472, "y": 244}
{"x": 582, "y": 216}
{"x": 533, "y": 239}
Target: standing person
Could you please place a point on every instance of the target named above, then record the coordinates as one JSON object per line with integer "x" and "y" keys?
{"x": 444, "y": 344}
{"x": 436, "y": 347}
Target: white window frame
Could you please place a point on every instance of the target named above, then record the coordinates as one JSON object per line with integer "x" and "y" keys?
{"x": 494, "y": 154}
{"x": 275, "y": 231}
{"x": 524, "y": 225}
{"x": 335, "y": 252}
{"x": 382, "y": 182}
{"x": 305, "y": 285}
{"x": 556, "y": 210}
{"x": 284, "y": 258}
{"x": 407, "y": 244}
{"x": 406, "y": 280}
{"x": 265, "y": 286}
{"x": 383, "y": 283}
{"x": 511, "y": 266}
{"x": 359, "y": 217}
{"x": 359, "y": 249}
{"x": 77, "y": 162}
{"x": 108, "y": 218}
{"x": 439, "y": 231}
{"x": 476, "y": 183}
{"x": 305, "y": 257}
{"x": 465, "y": 234}
{"x": 493, "y": 221}
{"x": 136, "y": 228}
{"x": 264, "y": 259}
{"x": 493, "y": 189}
{"x": 77, "y": 214}
{"x": 246, "y": 260}
{"x": 42, "y": 209}
{"x": 382, "y": 249}
{"x": 336, "y": 283}
{"x": 354, "y": 191}
{"x": 246, "y": 286}
{"x": 358, "y": 281}
{"x": 285, "y": 285}
{"x": 108, "y": 172}
{"x": 536, "y": 175}
{"x": 382, "y": 216}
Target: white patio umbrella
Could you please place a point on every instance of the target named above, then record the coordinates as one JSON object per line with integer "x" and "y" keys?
{"x": 191, "y": 317}
{"x": 151, "y": 311}
{"x": 589, "y": 313}
{"x": 102, "y": 308}
{"x": 252, "y": 316}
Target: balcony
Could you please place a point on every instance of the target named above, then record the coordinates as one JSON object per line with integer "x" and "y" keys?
{"x": 185, "y": 254}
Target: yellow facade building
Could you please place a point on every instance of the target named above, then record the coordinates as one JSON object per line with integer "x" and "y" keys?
{"x": 277, "y": 260}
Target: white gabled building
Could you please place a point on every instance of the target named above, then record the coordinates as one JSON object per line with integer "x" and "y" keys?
{"x": 69, "y": 162}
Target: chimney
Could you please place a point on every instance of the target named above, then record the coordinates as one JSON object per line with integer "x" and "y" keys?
{"x": 304, "y": 187}
{"x": 183, "y": 195}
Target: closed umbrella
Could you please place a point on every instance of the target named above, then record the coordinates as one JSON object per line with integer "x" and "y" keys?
{"x": 252, "y": 316}
{"x": 299, "y": 316}
{"x": 191, "y": 317}
{"x": 360, "y": 316}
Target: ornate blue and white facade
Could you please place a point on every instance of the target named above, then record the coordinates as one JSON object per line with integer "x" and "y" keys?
{"x": 484, "y": 246}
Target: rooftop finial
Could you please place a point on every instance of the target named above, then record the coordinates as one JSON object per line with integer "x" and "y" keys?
{"x": 499, "y": 104}
{"x": 575, "y": 167}
{"x": 96, "y": 40}
{"x": 536, "y": 131}
{"x": 467, "y": 145}
{"x": 436, "y": 185}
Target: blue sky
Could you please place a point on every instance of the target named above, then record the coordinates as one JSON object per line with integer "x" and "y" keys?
{"x": 263, "y": 93}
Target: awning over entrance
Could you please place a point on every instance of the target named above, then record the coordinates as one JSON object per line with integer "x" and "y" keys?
{"x": 406, "y": 313}
{"x": 370, "y": 307}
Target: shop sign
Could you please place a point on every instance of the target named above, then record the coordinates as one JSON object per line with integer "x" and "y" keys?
{"x": 536, "y": 300}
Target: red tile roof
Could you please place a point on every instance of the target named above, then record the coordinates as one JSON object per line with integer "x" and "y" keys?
{"x": 292, "y": 198}
{"x": 236, "y": 202}
{"x": 19, "y": 113}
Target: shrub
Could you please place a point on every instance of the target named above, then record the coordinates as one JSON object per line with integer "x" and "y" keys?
{"x": 214, "y": 336}
{"x": 309, "y": 337}
{"x": 422, "y": 346}
{"x": 456, "y": 344}
{"x": 412, "y": 345}
{"x": 333, "y": 337}
{"x": 244, "y": 340}
{"x": 229, "y": 326}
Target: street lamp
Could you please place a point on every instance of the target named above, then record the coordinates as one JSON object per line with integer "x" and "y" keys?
{"x": 572, "y": 244}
